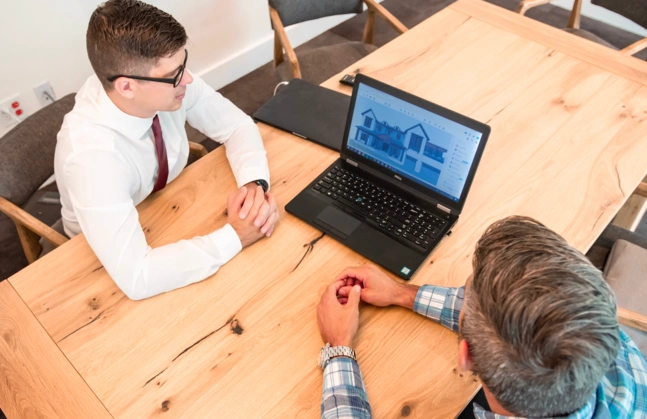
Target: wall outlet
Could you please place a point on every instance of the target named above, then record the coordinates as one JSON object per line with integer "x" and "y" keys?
{"x": 11, "y": 111}
{"x": 45, "y": 94}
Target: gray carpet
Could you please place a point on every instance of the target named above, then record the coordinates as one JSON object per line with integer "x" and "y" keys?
{"x": 252, "y": 90}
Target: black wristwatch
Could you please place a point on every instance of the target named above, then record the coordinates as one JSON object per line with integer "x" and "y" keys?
{"x": 262, "y": 184}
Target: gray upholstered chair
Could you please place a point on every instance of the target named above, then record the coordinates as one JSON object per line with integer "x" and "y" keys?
{"x": 319, "y": 64}
{"x": 26, "y": 162}
{"x": 622, "y": 255}
{"x": 635, "y": 10}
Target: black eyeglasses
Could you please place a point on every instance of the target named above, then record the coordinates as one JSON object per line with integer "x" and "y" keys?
{"x": 175, "y": 81}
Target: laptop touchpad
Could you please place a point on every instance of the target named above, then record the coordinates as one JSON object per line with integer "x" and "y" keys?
{"x": 337, "y": 221}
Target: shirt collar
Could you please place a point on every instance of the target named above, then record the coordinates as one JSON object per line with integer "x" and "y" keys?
{"x": 586, "y": 412}
{"x": 111, "y": 116}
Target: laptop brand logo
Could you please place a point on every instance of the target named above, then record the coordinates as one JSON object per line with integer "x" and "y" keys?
{"x": 405, "y": 270}
{"x": 397, "y": 177}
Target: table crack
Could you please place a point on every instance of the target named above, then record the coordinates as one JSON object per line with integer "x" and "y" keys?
{"x": 310, "y": 247}
{"x": 231, "y": 319}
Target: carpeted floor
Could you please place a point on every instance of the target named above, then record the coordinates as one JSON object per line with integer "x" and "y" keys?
{"x": 253, "y": 90}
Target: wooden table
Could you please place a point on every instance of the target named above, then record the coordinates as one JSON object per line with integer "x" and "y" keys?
{"x": 567, "y": 147}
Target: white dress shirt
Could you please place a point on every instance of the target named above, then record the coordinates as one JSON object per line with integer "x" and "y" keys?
{"x": 105, "y": 164}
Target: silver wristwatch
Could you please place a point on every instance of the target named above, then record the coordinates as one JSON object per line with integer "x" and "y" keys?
{"x": 328, "y": 352}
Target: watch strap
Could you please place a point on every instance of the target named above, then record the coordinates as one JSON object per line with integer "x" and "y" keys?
{"x": 263, "y": 184}
{"x": 328, "y": 352}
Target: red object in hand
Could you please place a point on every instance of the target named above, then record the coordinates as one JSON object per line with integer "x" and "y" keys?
{"x": 15, "y": 105}
{"x": 19, "y": 112}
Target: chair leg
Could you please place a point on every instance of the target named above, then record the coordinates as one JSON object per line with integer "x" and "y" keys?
{"x": 296, "y": 69}
{"x": 635, "y": 47}
{"x": 576, "y": 15}
{"x": 30, "y": 243}
{"x": 631, "y": 213}
{"x": 278, "y": 50}
{"x": 526, "y": 5}
{"x": 369, "y": 28}
{"x": 641, "y": 190}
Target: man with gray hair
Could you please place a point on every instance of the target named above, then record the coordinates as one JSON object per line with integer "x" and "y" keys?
{"x": 537, "y": 323}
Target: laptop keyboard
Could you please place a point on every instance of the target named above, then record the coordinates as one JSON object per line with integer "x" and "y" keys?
{"x": 389, "y": 212}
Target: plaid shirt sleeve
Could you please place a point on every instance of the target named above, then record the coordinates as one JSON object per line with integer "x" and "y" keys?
{"x": 440, "y": 304}
{"x": 625, "y": 384}
{"x": 344, "y": 396}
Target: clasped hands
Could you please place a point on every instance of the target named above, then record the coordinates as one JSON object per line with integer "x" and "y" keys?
{"x": 252, "y": 213}
{"x": 338, "y": 310}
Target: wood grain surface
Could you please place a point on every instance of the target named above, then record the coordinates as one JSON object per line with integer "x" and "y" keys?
{"x": 36, "y": 381}
{"x": 567, "y": 147}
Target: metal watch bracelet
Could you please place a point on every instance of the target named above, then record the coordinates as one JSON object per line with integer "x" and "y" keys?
{"x": 328, "y": 352}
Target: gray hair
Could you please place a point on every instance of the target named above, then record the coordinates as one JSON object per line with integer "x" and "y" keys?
{"x": 539, "y": 320}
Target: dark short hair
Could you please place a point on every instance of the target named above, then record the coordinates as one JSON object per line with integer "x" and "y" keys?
{"x": 539, "y": 320}
{"x": 129, "y": 36}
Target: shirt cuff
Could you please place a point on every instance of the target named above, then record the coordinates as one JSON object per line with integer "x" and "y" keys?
{"x": 227, "y": 242}
{"x": 441, "y": 304}
{"x": 342, "y": 371}
{"x": 430, "y": 300}
{"x": 251, "y": 174}
{"x": 344, "y": 395}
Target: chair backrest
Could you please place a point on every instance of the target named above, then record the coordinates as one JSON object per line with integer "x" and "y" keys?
{"x": 635, "y": 10}
{"x": 27, "y": 151}
{"x": 297, "y": 11}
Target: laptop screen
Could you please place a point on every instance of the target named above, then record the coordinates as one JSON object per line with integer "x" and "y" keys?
{"x": 413, "y": 142}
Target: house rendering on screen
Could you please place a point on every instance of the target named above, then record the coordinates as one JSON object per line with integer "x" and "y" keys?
{"x": 411, "y": 149}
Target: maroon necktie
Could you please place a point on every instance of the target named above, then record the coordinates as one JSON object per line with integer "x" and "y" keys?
{"x": 162, "y": 160}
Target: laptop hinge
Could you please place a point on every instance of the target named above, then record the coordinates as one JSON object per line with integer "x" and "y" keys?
{"x": 353, "y": 163}
{"x": 444, "y": 208}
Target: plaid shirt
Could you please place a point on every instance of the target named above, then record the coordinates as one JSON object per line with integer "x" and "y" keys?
{"x": 622, "y": 393}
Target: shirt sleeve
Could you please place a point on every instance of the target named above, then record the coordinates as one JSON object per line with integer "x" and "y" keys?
{"x": 219, "y": 119}
{"x": 344, "y": 395}
{"x": 99, "y": 188}
{"x": 441, "y": 304}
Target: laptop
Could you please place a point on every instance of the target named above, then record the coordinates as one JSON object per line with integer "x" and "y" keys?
{"x": 401, "y": 181}
{"x": 308, "y": 111}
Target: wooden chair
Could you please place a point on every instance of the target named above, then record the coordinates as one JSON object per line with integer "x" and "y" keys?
{"x": 26, "y": 162}
{"x": 622, "y": 254}
{"x": 641, "y": 190}
{"x": 321, "y": 63}
{"x": 634, "y": 209}
{"x": 197, "y": 150}
{"x": 635, "y": 10}
{"x": 625, "y": 271}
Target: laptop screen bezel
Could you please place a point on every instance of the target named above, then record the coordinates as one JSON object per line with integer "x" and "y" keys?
{"x": 455, "y": 206}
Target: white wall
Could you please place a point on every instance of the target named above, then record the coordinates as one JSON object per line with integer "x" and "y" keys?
{"x": 45, "y": 40}
{"x": 604, "y": 15}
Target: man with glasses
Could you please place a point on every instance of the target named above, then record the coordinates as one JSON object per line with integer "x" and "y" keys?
{"x": 125, "y": 139}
